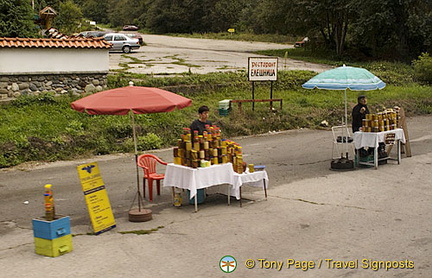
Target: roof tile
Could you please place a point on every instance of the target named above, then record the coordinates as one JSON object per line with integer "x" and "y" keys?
{"x": 99, "y": 43}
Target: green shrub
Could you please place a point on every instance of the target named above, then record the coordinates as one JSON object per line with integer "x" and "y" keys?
{"x": 149, "y": 142}
{"x": 45, "y": 98}
{"x": 146, "y": 142}
{"x": 397, "y": 74}
{"x": 119, "y": 129}
{"x": 75, "y": 127}
{"x": 423, "y": 68}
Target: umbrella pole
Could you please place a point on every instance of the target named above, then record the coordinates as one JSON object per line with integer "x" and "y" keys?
{"x": 346, "y": 124}
{"x": 140, "y": 215}
{"x": 134, "y": 133}
{"x": 346, "y": 110}
{"x": 140, "y": 198}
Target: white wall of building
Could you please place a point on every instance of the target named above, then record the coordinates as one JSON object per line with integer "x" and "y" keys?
{"x": 53, "y": 60}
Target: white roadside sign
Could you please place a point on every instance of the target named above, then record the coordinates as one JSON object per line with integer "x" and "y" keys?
{"x": 262, "y": 69}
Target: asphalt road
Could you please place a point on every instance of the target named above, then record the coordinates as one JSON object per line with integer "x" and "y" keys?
{"x": 289, "y": 156}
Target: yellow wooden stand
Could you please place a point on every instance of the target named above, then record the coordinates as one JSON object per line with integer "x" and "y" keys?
{"x": 406, "y": 147}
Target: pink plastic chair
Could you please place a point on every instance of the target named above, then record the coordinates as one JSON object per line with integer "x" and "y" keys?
{"x": 148, "y": 163}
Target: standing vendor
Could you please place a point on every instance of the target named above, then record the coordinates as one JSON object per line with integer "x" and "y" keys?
{"x": 200, "y": 123}
{"x": 359, "y": 113}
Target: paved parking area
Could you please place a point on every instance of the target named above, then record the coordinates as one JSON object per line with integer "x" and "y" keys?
{"x": 164, "y": 55}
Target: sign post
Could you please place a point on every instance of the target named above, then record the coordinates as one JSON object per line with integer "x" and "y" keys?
{"x": 262, "y": 69}
{"x": 96, "y": 198}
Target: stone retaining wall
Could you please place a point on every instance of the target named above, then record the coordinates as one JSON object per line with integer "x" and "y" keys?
{"x": 12, "y": 86}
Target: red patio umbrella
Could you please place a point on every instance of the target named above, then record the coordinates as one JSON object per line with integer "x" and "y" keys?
{"x": 133, "y": 100}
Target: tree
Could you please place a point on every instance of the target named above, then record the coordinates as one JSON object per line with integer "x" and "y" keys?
{"x": 40, "y": 4}
{"x": 388, "y": 29}
{"x": 178, "y": 16}
{"x": 393, "y": 29}
{"x": 137, "y": 10}
{"x": 423, "y": 68}
{"x": 116, "y": 12}
{"x": 96, "y": 10}
{"x": 69, "y": 18}
{"x": 330, "y": 18}
{"x": 270, "y": 17}
{"x": 223, "y": 14}
{"x": 245, "y": 16}
{"x": 17, "y": 19}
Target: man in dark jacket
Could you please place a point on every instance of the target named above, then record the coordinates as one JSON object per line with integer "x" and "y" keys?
{"x": 359, "y": 113}
{"x": 200, "y": 123}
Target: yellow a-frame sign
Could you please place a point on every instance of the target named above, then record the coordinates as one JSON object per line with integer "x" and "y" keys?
{"x": 96, "y": 198}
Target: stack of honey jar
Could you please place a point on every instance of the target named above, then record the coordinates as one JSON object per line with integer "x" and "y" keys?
{"x": 194, "y": 150}
{"x": 382, "y": 121}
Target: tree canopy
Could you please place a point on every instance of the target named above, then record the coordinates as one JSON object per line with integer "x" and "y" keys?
{"x": 71, "y": 17}
{"x": 17, "y": 19}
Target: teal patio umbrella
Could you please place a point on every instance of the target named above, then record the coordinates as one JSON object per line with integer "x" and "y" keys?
{"x": 344, "y": 78}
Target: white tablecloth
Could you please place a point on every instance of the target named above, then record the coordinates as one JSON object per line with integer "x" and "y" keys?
{"x": 372, "y": 139}
{"x": 198, "y": 178}
{"x": 255, "y": 179}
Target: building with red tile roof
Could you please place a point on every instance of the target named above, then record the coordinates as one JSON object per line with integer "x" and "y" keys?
{"x": 31, "y": 57}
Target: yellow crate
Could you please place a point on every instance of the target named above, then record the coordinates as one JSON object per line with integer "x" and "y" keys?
{"x": 54, "y": 247}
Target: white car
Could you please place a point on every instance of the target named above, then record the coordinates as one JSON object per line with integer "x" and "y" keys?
{"x": 121, "y": 42}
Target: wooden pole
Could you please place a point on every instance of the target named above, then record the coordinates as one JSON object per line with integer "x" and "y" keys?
{"x": 253, "y": 95}
{"x": 271, "y": 95}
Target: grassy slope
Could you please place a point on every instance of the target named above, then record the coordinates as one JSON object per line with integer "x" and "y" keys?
{"x": 46, "y": 128}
